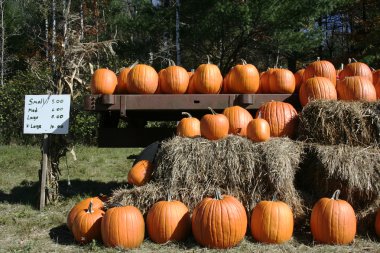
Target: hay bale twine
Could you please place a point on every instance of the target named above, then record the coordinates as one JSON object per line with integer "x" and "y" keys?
{"x": 341, "y": 122}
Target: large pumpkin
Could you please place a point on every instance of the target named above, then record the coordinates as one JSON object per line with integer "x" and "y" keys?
{"x": 174, "y": 80}
{"x": 377, "y": 223}
{"x": 272, "y": 222}
{"x": 123, "y": 227}
{"x": 168, "y": 221}
{"x": 258, "y": 130}
{"x": 281, "y": 81}
{"x": 356, "y": 69}
{"x": 189, "y": 127}
{"x": 219, "y": 222}
{"x": 142, "y": 79}
{"x": 333, "y": 221}
{"x": 320, "y": 68}
{"x": 238, "y": 119}
{"x": 208, "y": 79}
{"x": 317, "y": 88}
{"x": 214, "y": 126}
{"x": 242, "y": 78}
{"x": 97, "y": 203}
{"x": 140, "y": 173}
{"x": 103, "y": 81}
{"x": 356, "y": 88}
{"x": 87, "y": 225}
{"x": 281, "y": 117}
{"x": 298, "y": 76}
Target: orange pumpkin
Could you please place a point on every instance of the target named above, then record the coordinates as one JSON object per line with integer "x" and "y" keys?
{"x": 191, "y": 87}
{"x": 103, "y": 81}
{"x": 97, "y": 203}
{"x": 298, "y": 76}
{"x": 123, "y": 227}
{"x": 356, "y": 69}
{"x": 333, "y": 221}
{"x": 377, "y": 89}
{"x": 258, "y": 130}
{"x": 317, "y": 88}
{"x": 320, "y": 68}
{"x": 168, "y": 221}
{"x": 122, "y": 81}
{"x": 174, "y": 80}
{"x": 86, "y": 226}
{"x": 281, "y": 81}
{"x": 214, "y": 126}
{"x": 207, "y": 79}
{"x": 272, "y": 222}
{"x": 243, "y": 78}
{"x": 142, "y": 79}
{"x": 238, "y": 119}
{"x": 375, "y": 76}
{"x": 281, "y": 116}
{"x": 219, "y": 222}
{"x": 189, "y": 127}
{"x": 377, "y": 223}
{"x": 356, "y": 88}
{"x": 140, "y": 173}
{"x": 264, "y": 81}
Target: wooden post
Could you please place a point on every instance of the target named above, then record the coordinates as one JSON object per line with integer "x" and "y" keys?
{"x": 45, "y": 150}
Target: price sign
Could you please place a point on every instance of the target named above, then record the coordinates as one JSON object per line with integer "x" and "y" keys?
{"x": 46, "y": 114}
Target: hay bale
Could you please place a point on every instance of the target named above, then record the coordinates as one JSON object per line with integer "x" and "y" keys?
{"x": 341, "y": 122}
{"x": 192, "y": 168}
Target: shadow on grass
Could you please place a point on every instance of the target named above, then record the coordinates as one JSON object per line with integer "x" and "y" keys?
{"x": 28, "y": 192}
{"x": 62, "y": 235}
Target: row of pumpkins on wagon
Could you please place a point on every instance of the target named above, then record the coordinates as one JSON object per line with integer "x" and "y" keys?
{"x": 319, "y": 80}
{"x": 220, "y": 221}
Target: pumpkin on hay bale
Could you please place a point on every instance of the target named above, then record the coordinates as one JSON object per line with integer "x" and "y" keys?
{"x": 341, "y": 122}
{"x": 191, "y": 169}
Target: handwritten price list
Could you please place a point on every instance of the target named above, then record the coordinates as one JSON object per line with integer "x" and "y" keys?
{"x": 46, "y": 114}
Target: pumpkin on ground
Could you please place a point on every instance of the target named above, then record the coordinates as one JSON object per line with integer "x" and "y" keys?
{"x": 219, "y": 222}
{"x": 142, "y": 79}
{"x": 243, "y": 78}
{"x": 189, "y": 127}
{"x": 320, "y": 68}
{"x": 281, "y": 117}
{"x": 317, "y": 88}
{"x": 97, "y": 203}
{"x": 281, "y": 81}
{"x": 333, "y": 221}
{"x": 377, "y": 223}
{"x": 208, "y": 79}
{"x": 272, "y": 222}
{"x": 298, "y": 76}
{"x": 238, "y": 119}
{"x": 356, "y": 69}
{"x": 168, "y": 221}
{"x": 174, "y": 79}
{"x": 87, "y": 223}
{"x": 214, "y": 126}
{"x": 356, "y": 88}
{"x": 103, "y": 81}
{"x": 123, "y": 227}
{"x": 258, "y": 130}
{"x": 140, "y": 173}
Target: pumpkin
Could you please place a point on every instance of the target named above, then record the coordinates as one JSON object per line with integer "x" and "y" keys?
{"x": 281, "y": 117}
{"x": 123, "y": 227}
{"x": 320, "y": 68}
{"x": 140, "y": 173}
{"x": 214, "y": 126}
{"x": 97, "y": 203}
{"x": 87, "y": 223}
{"x": 258, "y": 130}
{"x": 219, "y": 222}
{"x": 207, "y": 79}
{"x": 339, "y": 70}
{"x": 298, "y": 76}
{"x": 377, "y": 89}
{"x": 191, "y": 87}
{"x": 377, "y": 223}
{"x": 168, "y": 221}
{"x": 375, "y": 76}
{"x": 142, "y": 79}
{"x": 189, "y": 127}
{"x": 356, "y": 69}
{"x": 317, "y": 88}
{"x": 122, "y": 81}
{"x": 174, "y": 79}
{"x": 243, "y": 79}
{"x": 238, "y": 119}
{"x": 264, "y": 81}
{"x": 356, "y": 88}
{"x": 272, "y": 222}
{"x": 333, "y": 221}
{"x": 103, "y": 81}
{"x": 281, "y": 81}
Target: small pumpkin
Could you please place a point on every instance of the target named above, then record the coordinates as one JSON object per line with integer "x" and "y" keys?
{"x": 174, "y": 79}
{"x": 281, "y": 81}
{"x": 219, "y": 222}
{"x": 298, "y": 76}
{"x": 142, "y": 79}
{"x": 189, "y": 127}
{"x": 140, "y": 173}
{"x": 168, "y": 221}
{"x": 377, "y": 223}
{"x": 243, "y": 78}
{"x": 87, "y": 223}
{"x": 320, "y": 68}
{"x": 214, "y": 126}
{"x": 317, "y": 88}
{"x": 123, "y": 227}
{"x": 333, "y": 221}
{"x": 191, "y": 87}
{"x": 103, "y": 81}
{"x": 272, "y": 222}
{"x": 97, "y": 203}
{"x": 356, "y": 88}
{"x": 258, "y": 130}
{"x": 356, "y": 69}
{"x": 208, "y": 79}
{"x": 264, "y": 81}
{"x": 238, "y": 119}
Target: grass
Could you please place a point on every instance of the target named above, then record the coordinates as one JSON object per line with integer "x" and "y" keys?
{"x": 97, "y": 170}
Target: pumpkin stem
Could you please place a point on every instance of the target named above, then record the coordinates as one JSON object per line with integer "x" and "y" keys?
{"x": 192, "y": 70}
{"x": 259, "y": 115}
{"x": 171, "y": 62}
{"x": 169, "y": 197}
{"x": 243, "y": 61}
{"x": 208, "y": 59}
{"x": 318, "y": 58}
{"x": 213, "y": 112}
{"x": 335, "y": 196}
{"x": 134, "y": 64}
{"x": 274, "y": 198}
{"x": 349, "y": 60}
{"x": 89, "y": 209}
{"x": 341, "y": 66}
{"x": 187, "y": 114}
{"x": 218, "y": 195}
{"x": 354, "y": 60}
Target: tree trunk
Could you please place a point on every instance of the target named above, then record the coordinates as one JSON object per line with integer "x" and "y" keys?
{"x": 177, "y": 38}
{"x": 2, "y": 58}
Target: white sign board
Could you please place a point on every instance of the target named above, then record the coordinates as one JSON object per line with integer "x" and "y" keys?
{"x": 46, "y": 114}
